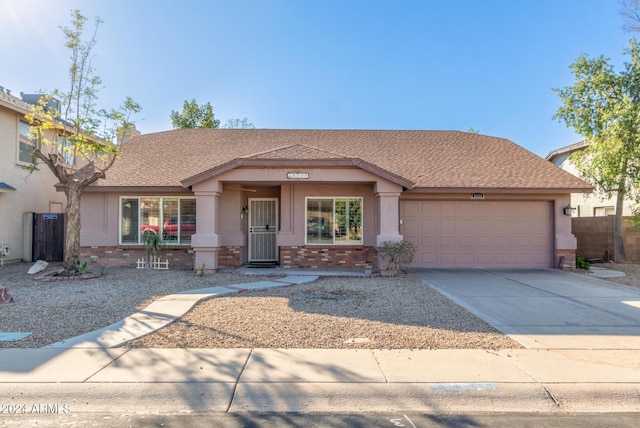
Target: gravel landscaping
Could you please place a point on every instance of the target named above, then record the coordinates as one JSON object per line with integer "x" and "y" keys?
{"x": 345, "y": 312}
{"x": 334, "y": 313}
{"x": 352, "y": 312}
{"x": 53, "y": 311}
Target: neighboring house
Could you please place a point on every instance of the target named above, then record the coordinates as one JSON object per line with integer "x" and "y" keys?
{"x": 327, "y": 198}
{"x": 21, "y": 192}
{"x": 586, "y": 205}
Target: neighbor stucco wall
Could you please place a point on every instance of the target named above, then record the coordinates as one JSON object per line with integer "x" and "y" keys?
{"x": 585, "y": 203}
{"x": 35, "y": 192}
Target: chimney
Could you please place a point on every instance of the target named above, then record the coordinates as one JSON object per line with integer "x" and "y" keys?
{"x": 128, "y": 134}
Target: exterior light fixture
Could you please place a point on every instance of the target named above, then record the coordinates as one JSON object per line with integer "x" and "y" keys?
{"x": 568, "y": 210}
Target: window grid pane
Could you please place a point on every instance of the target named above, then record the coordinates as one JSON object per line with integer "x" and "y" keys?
{"x": 334, "y": 221}
{"x": 26, "y": 146}
{"x": 187, "y": 220}
{"x": 129, "y": 224}
{"x": 172, "y": 218}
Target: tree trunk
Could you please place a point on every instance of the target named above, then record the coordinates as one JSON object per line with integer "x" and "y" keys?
{"x": 618, "y": 241}
{"x": 72, "y": 225}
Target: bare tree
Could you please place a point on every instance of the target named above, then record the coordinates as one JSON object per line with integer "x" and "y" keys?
{"x": 69, "y": 132}
{"x": 631, "y": 14}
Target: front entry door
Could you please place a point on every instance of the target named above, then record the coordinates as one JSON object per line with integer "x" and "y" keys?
{"x": 263, "y": 226}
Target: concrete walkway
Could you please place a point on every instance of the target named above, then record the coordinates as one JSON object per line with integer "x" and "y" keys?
{"x": 87, "y": 375}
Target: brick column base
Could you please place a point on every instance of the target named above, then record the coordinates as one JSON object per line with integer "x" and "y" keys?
{"x": 566, "y": 260}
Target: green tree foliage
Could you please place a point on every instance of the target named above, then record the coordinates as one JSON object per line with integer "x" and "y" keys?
{"x": 74, "y": 139}
{"x": 604, "y": 106}
{"x": 194, "y": 116}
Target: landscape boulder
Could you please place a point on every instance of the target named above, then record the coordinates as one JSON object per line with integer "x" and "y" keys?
{"x": 5, "y": 295}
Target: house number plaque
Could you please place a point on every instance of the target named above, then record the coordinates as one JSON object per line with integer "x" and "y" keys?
{"x": 297, "y": 175}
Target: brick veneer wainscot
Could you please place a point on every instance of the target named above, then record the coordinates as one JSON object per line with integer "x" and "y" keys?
{"x": 126, "y": 256}
{"x": 229, "y": 257}
{"x": 316, "y": 257}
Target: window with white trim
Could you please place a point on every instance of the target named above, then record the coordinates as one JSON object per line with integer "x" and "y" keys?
{"x": 25, "y": 145}
{"x": 334, "y": 221}
{"x": 604, "y": 211}
{"x": 172, "y": 218}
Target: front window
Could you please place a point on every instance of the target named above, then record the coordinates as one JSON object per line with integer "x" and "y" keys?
{"x": 335, "y": 221}
{"x": 25, "y": 149}
{"x": 172, "y": 218}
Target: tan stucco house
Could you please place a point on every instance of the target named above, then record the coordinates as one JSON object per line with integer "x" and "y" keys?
{"x": 21, "y": 193}
{"x": 327, "y": 198}
{"x": 593, "y": 204}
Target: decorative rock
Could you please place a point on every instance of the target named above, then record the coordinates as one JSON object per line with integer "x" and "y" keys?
{"x": 39, "y": 266}
{"x": 5, "y": 295}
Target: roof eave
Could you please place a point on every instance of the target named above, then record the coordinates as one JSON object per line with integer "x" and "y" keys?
{"x": 567, "y": 149}
{"x": 136, "y": 189}
{"x": 502, "y": 190}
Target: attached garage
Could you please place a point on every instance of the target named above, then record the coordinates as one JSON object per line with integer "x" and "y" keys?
{"x": 479, "y": 233}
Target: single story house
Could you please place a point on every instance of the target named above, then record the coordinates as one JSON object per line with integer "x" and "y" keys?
{"x": 328, "y": 198}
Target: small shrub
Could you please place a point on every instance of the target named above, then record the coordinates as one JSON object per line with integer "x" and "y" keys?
{"x": 80, "y": 267}
{"x": 153, "y": 245}
{"x": 396, "y": 253}
{"x": 581, "y": 262}
{"x": 201, "y": 271}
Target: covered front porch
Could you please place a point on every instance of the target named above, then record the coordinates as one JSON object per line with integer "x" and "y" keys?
{"x": 296, "y": 217}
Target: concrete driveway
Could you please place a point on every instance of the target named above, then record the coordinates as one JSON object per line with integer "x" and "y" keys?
{"x": 546, "y": 309}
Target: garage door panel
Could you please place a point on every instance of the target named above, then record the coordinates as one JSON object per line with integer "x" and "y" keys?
{"x": 467, "y": 226}
{"x": 412, "y": 226}
{"x": 486, "y": 242}
{"x": 446, "y": 242}
{"x": 466, "y": 242}
{"x": 448, "y": 259}
{"x": 448, "y": 209}
{"x": 411, "y": 208}
{"x": 479, "y": 233}
{"x": 429, "y": 226}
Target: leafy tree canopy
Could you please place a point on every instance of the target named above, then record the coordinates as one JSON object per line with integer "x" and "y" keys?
{"x": 604, "y": 106}
{"x": 194, "y": 116}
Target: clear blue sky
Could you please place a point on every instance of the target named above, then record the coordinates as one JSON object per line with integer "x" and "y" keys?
{"x": 366, "y": 64}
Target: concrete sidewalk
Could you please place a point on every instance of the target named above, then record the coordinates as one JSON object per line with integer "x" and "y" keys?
{"x": 320, "y": 380}
{"x": 92, "y": 374}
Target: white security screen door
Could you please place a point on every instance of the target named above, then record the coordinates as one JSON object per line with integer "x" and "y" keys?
{"x": 263, "y": 226}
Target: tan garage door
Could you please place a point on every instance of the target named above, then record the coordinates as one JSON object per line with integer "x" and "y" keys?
{"x": 479, "y": 233}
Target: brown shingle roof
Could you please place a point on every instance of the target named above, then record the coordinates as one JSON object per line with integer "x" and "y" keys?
{"x": 430, "y": 159}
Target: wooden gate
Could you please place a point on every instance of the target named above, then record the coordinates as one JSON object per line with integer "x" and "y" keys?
{"x": 48, "y": 237}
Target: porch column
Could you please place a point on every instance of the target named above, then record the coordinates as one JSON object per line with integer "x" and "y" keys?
{"x": 205, "y": 242}
{"x": 388, "y": 217}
